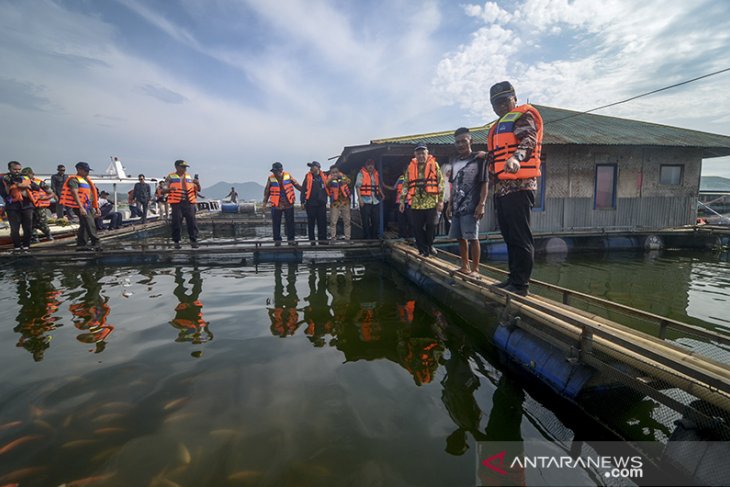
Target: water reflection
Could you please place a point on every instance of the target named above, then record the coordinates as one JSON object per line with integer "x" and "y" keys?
{"x": 189, "y": 311}
{"x": 38, "y": 301}
{"x": 317, "y": 313}
{"x": 91, "y": 313}
{"x": 284, "y": 315}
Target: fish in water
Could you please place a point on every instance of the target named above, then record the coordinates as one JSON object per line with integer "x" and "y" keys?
{"x": 17, "y": 442}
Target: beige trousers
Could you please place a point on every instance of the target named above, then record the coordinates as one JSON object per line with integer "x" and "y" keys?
{"x": 335, "y": 213}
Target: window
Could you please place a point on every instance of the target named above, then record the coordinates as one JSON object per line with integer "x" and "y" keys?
{"x": 605, "y": 197}
{"x": 671, "y": 175}
{"x": 540, "y": 193}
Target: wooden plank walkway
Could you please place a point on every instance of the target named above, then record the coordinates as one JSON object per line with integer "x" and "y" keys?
{"x": 588, "y": 334}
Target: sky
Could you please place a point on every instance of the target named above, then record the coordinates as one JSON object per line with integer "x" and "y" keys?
{"x": 234, "y": 85}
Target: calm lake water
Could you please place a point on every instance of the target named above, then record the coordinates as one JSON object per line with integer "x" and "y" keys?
{"x": 280, "y": 375}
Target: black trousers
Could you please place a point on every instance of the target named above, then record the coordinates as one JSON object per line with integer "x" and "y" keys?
{"x": 423, "y": 227}
{"x": 404, "y": 228}
{"x": 144, "y": 206}
{"x": 370, "y": 217}
{"x": 20, "y": 217}
{"x": 87, "y": 229}
{"x": 513, "y": 216}
{"x": 317, "y": 216}
{"x": 179, "y": 211}
{"x": 276, "y": 218}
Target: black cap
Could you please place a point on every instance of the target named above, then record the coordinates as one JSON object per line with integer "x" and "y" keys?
{"x": 84, "y": 166}
{"x": 421, "y": 145}
{"x": 277, "y": 166}
{"x": 103, "y": 192}
{"x": 501, "y": 90}
{"x": 182, "y": 163}
{"x": 314, "y": 164}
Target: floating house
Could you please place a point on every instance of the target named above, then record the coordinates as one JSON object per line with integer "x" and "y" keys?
{"x": 599, "y": 172}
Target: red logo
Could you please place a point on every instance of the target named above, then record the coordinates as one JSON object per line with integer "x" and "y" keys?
{"x": 499, "y": 456}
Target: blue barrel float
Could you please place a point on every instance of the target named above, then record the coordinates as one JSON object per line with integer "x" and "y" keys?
{"x": 543, "y": 360}
{"x": 229, "y": 208}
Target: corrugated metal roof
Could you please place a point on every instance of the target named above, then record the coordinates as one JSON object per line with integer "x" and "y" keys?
{"x": 567, "y": 127}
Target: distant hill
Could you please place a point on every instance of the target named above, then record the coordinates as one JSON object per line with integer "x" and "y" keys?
{"x": 714, "y": 183}
{"x": 246, "y": 191}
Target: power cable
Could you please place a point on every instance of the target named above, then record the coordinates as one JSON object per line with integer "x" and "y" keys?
{"x": 640, "y": 96}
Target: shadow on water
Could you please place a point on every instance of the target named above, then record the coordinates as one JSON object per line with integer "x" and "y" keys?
{"x": 318, "y": 375}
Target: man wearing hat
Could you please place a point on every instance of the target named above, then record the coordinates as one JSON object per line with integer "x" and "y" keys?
{"x": 279, "y": 195}
{"x": 513, "y": 160}
{"x": 423, "y": 187}
{"x": 79, "y": 194}
{"x": 314, "y": 198}
{"x": 369, "y": 195}
{"x": 42, "y": 201}
{"x": 338, "y": 187}
{"x": 182, "y": 192}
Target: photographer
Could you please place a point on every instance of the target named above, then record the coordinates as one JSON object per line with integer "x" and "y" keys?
{"x": 17, "y": 191}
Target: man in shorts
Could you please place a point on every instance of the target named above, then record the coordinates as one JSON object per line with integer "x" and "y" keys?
{"x": 468, "y": 198}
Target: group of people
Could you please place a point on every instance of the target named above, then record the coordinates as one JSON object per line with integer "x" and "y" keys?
{"x": 27, "y": 199}
{"x": 510, "y": 167}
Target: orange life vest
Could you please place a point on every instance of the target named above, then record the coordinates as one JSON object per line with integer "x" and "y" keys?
{"x": 284, "y": 321}
{"x": 369, "y": 187}
{"x": 429, "y": 183}
{"x": 337, "y": 187}
{"x": 308, "y": 179}
{"x": 275, "y": 190}
{"x": 86, "y": 190}
{"x": 175, "y": 194}
{"x": 39, "y": 196}
{"x": 502, "y": 143}
{"x": 16, "y": 193}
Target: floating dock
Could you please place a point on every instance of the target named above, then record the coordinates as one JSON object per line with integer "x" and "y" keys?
{"x": 579, "y": 353}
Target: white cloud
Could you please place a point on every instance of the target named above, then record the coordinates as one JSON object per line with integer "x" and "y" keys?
{"x": 581, "y": 55}
{"x": 490, "y": 12}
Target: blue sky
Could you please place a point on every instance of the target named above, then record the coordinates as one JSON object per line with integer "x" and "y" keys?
{"x": 233, "y": 85}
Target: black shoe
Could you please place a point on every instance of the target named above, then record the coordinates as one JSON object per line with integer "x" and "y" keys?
{"x": 97, "y": 248}
{"x": 83, "y": 248}
{"x": 522, "y": 291}
{"x": 194, "y": 244}
{"x": 177, "y": 245}
{"x": 502, "y": 284}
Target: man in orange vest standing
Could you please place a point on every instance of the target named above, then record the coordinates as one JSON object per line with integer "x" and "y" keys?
{"x": 182, "y": 192}
{"x": 514, "y": 144}
{"x": 314, "y": 199}
{"x": 369, "y": 196}
{"x": 79, "y": 194}
{"x": 279, "y": 195}
{"x": 423, "y": 189}
{"x": 17, "y": 191}
{"x": 338, "y": 186}
{"x": 42, "y": 197}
